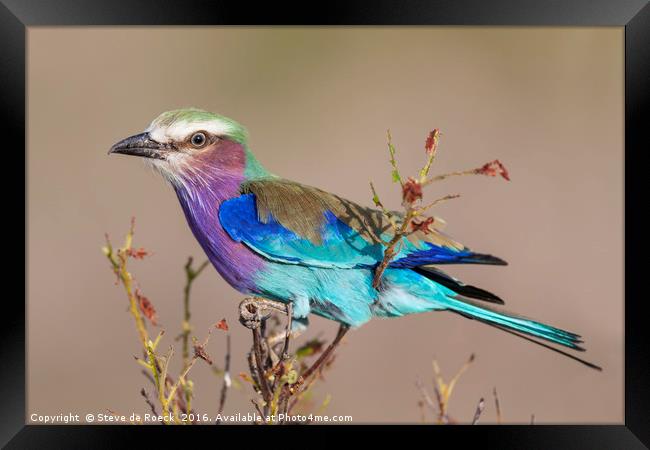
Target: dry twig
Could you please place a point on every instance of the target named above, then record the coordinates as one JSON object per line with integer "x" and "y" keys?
{"x": 140, "y": 307}
{"x": 413, "y": 218}
{"x": 479, "y": 410}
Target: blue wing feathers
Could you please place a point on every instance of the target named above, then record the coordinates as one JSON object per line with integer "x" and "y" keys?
{"x": 434, "y": 254}
{"x": 342, "y": 246}
{"x": 431, "y": 254}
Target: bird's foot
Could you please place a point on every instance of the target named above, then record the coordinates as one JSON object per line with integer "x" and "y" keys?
{"x": 254, "y": 310}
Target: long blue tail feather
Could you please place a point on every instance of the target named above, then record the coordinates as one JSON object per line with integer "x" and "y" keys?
{"x": 521, "y": 327}
{"x": 521, "y": 324}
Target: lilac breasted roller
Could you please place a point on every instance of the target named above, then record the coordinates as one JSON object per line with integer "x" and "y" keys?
{"x": 285, "y": 241}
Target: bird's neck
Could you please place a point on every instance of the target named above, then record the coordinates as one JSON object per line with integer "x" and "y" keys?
{"x": 253, "y": 169}
{"x": 217, "y": 178}
{"x": 219, "y": 172}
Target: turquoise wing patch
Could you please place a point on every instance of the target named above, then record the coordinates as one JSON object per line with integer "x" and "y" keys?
{"x": 342, "y": 247}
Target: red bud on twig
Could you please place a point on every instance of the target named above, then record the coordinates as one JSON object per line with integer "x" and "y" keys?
{"x": 492, "y": 169}
{"x": 146, "y": 307}
{"x": 411, "y": 191}
{"x": 221, "y": 325}
{"x": 423, "y": 225}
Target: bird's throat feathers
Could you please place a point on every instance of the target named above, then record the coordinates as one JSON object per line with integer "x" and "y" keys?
{"x": 215, "y": 172}
{"x": 213, "y": 178}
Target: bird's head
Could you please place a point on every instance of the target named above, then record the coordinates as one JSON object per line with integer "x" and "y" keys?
{"x": 186, "y": 144}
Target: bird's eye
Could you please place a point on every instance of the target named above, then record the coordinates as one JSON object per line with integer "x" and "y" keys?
{"x": 198, "y": 140}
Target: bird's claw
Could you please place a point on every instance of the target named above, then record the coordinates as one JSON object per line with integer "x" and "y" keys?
{"x": 254, "y": 310}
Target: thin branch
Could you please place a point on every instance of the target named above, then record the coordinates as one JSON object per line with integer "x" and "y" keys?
{"x": 428, "y": 181}
{"x": 376, "y": 200}
{"x": 343, "y": 329}
{"x": 182, "y": 376}
{"x": 491, "y": 169}
{"x": 259, "y": 411}
{"x": 287, "y": 338}
{"x": 263, "y": 380}
{"x": 496, "y": 404}
{"x": 149, "y": 402}
{"x": 226, "y": 380}
{"x": 479, "y": 410}
{"x": 442, "y": 405}
{"x": 190, "y": 276}
{"x": 437, "y": 201}
{"x": 393, "y": 162}
{"x": 463, "y": 368}
{"x": 427, "y": 398}
{"x": 160, "y": 387}
{"x": 390, "y": 250}
{"x": 118, "y": 260}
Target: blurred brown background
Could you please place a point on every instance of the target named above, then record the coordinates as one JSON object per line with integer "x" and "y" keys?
{"x": 317, "y": 102}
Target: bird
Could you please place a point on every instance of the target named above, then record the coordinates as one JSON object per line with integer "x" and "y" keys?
{"x": 288, "y": 242}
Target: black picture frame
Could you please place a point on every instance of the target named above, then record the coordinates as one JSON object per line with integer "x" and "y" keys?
{"x": 633, "y": 15}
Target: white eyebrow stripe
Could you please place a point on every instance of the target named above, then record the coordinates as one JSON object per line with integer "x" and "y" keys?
{"x": 178, "y": 131}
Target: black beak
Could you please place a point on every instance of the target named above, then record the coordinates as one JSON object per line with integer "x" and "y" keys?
{"x": 139, "y": 145}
